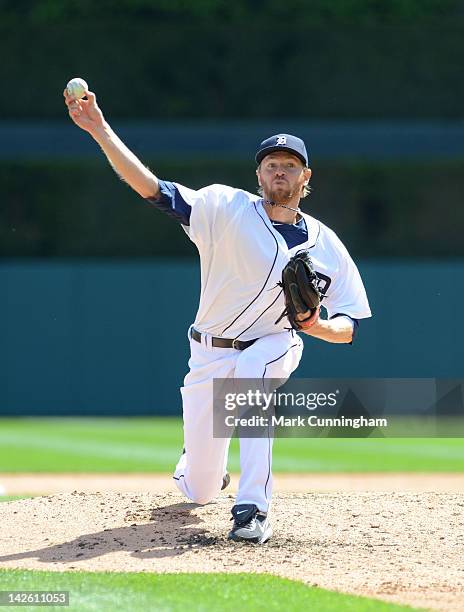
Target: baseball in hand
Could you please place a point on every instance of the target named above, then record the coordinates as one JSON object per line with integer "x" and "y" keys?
{"x": 77, "y": 88}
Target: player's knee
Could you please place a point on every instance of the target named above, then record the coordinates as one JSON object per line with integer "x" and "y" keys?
{"x": 202, "y": 493}
{"x": 200, "y": 498}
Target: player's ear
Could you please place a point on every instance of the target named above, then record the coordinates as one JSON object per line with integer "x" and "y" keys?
{"x": 307, "y": 173}
{"x": 257, "y": 174}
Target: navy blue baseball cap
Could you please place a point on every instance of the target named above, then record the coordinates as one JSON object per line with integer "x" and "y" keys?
{"x": 282, "y": 142}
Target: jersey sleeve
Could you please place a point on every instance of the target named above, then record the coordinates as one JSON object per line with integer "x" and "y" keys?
{"x": 347, "y": 295}
{"x": 171, "y": 202}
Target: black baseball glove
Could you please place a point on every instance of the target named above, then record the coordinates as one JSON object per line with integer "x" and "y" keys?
{"x": 302, "y": 296}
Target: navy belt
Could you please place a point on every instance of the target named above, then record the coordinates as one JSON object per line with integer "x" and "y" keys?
{"x": 239, "y": 345}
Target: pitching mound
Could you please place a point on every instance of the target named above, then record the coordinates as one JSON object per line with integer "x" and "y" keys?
{"x": 402, "y": 547}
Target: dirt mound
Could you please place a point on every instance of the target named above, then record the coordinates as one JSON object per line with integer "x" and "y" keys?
{"x": 41, "y": 484}
{"x": 403, "y": 547}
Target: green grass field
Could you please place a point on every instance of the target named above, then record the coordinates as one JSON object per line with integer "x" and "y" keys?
{"x": 101, "y": 591}
{"x": 153, "y": 445}
{"x": 7, "y": 498}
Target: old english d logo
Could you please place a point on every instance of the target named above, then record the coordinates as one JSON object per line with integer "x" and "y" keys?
{"x": 323, "y": 283}
{"x": 281, "y": 140}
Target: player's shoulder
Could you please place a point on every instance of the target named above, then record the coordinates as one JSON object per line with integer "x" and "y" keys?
{"x": 215, "y": 196}
{"x": 228, "y": 199}
{"x": 230, "y": 193}
{"x": 323, "y": 236}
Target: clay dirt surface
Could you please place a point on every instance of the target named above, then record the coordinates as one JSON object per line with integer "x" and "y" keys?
{"x": 404, "y": 547}
{"x": 43, "y": 483}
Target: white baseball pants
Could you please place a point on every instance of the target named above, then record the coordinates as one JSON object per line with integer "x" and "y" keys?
{"x": 201, "y": 468}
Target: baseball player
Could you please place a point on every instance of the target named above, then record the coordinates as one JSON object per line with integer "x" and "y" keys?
{"x": 244, "y": 242}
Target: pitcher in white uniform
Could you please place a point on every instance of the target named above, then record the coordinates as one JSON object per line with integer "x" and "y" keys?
{"x": 244, "y": 241}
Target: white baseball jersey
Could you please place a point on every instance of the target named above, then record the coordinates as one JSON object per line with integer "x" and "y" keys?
{"x": 242, "y": 254}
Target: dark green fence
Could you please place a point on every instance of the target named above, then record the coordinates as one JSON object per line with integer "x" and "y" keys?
{"x": 212, "y": 12}
{"x": 258, "y": 68}
{"x": 75, "y": 209}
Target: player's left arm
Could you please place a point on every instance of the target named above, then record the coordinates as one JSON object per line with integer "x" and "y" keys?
{"x": 339, "y": 330}
{"x": 346, "y": 301}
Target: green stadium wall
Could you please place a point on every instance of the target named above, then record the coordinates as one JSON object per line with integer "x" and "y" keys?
{"x": 109, "y": 337}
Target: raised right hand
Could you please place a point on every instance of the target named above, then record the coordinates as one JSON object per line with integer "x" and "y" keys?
{"x": 85, "y": 113}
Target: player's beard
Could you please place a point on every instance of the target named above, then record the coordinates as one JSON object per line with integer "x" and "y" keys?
{"x": 281, "y": 196}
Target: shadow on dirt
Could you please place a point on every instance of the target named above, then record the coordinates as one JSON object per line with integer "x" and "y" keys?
{"x": 172, "y": 530}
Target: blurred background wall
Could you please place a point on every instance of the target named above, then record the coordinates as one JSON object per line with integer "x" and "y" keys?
{"x": 99, "y": 289}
